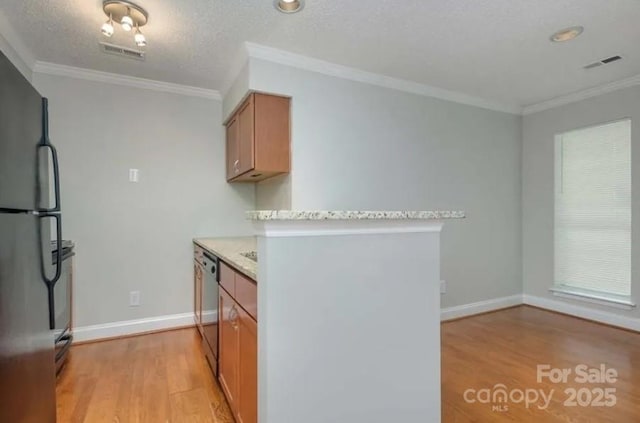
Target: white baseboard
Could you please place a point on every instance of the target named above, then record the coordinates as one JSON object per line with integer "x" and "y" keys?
{"x": 133, "y": 327}
{"x": 588, "y": 313}
{"x": 479, "y": 307}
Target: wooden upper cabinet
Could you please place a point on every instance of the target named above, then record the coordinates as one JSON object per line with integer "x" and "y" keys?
{"x": 246, "y": 137}
{"x": 258, "y": 139}
{"x": 233, "y": 152}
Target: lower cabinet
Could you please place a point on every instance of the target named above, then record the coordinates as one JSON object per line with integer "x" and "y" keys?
{"x": 247, "y": 368}
{"x": 229, "y": 346}
{"x": 238, "y": 358}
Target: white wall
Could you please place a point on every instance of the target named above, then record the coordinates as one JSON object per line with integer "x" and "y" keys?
{"x": 137, "y": 236}
{"x": 539, "y": 130}
{"x": 359, "y": 146}
{"x": 357, "y": 339}
{"x": 274, "y": 193}
{"x": 236, "y": 92}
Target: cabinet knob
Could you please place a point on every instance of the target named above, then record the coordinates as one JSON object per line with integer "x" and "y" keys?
{"x": 235, "y": 165}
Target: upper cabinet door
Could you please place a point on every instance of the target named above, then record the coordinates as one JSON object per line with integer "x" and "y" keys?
{"x": 233, "y": 150}
{"x": 258, "y": 138}
{"x": 246, "y": 136}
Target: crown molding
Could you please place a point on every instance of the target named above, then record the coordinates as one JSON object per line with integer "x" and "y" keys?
{"x": 286, "y": 58}
{"x": 48, "y": 68}
{"x": 581, "y": 95}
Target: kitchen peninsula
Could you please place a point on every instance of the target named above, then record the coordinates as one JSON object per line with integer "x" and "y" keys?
{"x": 331, "y": 346}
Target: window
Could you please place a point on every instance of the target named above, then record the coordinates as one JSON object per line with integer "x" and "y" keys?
{"x": 592, "y": 234}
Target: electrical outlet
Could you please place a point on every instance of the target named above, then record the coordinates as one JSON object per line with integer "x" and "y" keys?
{"x": 443, "y": 287}
{"x": 134, "y": 175}
{"x": 134, "y": 298}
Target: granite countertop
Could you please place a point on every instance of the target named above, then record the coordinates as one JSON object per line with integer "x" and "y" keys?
{"x": 262, "y": 215}
{"x": 230, "y": 251}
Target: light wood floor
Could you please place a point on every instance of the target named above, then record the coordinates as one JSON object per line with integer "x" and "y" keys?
{"x": 158, "y": 378}
{"x": 164, "y": 377}
{"x": 505, "y": 347}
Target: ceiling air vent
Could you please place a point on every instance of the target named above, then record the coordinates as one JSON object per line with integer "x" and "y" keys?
{"x": 603, "y": 62}
{"x": 122, "y": 51}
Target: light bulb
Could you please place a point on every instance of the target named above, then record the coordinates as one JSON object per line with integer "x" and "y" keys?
{"x": 126, "y": 22}
{"x": 140, "y": 39}
{"x": 567, "y": 34}
{"x": 107, "y": 28}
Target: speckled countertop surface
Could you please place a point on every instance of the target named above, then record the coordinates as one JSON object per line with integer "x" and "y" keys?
{"x": 230, "y": 251}
{"x": 353, "y": 215}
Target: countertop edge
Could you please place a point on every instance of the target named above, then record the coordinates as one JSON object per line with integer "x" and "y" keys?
{"x": 228, "y": 259}
{"x": 318, "y": 215}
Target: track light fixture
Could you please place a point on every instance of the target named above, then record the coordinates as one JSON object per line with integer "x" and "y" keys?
{"x": 128, "y": 15}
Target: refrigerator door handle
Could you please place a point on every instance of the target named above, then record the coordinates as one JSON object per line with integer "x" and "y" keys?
{"x": 46, "y": 143}
{"x": 56, "y": 179}
{"x": 52, "y": 281}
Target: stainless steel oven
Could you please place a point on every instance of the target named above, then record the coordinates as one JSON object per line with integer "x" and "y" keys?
{"x": 60, "y": 306}
{"x": 210, "y": 309}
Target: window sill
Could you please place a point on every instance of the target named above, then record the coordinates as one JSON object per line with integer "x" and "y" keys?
{"x": 601, "y": 298}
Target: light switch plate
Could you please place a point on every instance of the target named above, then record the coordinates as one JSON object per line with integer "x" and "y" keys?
{"x": 134, "y": 298}
{"x": 133, "y": 175}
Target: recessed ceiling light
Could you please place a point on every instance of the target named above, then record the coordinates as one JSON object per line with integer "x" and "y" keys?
{"x": 289, "y": 6}
{"x": 567, "y": 34}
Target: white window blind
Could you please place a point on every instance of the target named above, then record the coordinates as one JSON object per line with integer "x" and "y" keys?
{"x": 592, "y": 233}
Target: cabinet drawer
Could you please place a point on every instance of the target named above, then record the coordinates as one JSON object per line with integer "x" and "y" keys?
{"x": 247, "y": 295}
{"x": 228, "y": 279}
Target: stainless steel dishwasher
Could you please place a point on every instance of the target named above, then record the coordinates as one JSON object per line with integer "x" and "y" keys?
{"x": 210, "y": 298}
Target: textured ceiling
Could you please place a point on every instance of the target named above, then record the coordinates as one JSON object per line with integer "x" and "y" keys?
{"x": 493, "y": 49}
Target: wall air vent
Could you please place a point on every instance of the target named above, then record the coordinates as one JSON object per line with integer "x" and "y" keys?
{"x": 122, "y": 51}
{"x": 611, "y": 59}
{"x": 601, "y": 62}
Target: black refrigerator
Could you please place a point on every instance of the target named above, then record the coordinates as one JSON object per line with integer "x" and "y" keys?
{"x": 29, "y": 216}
